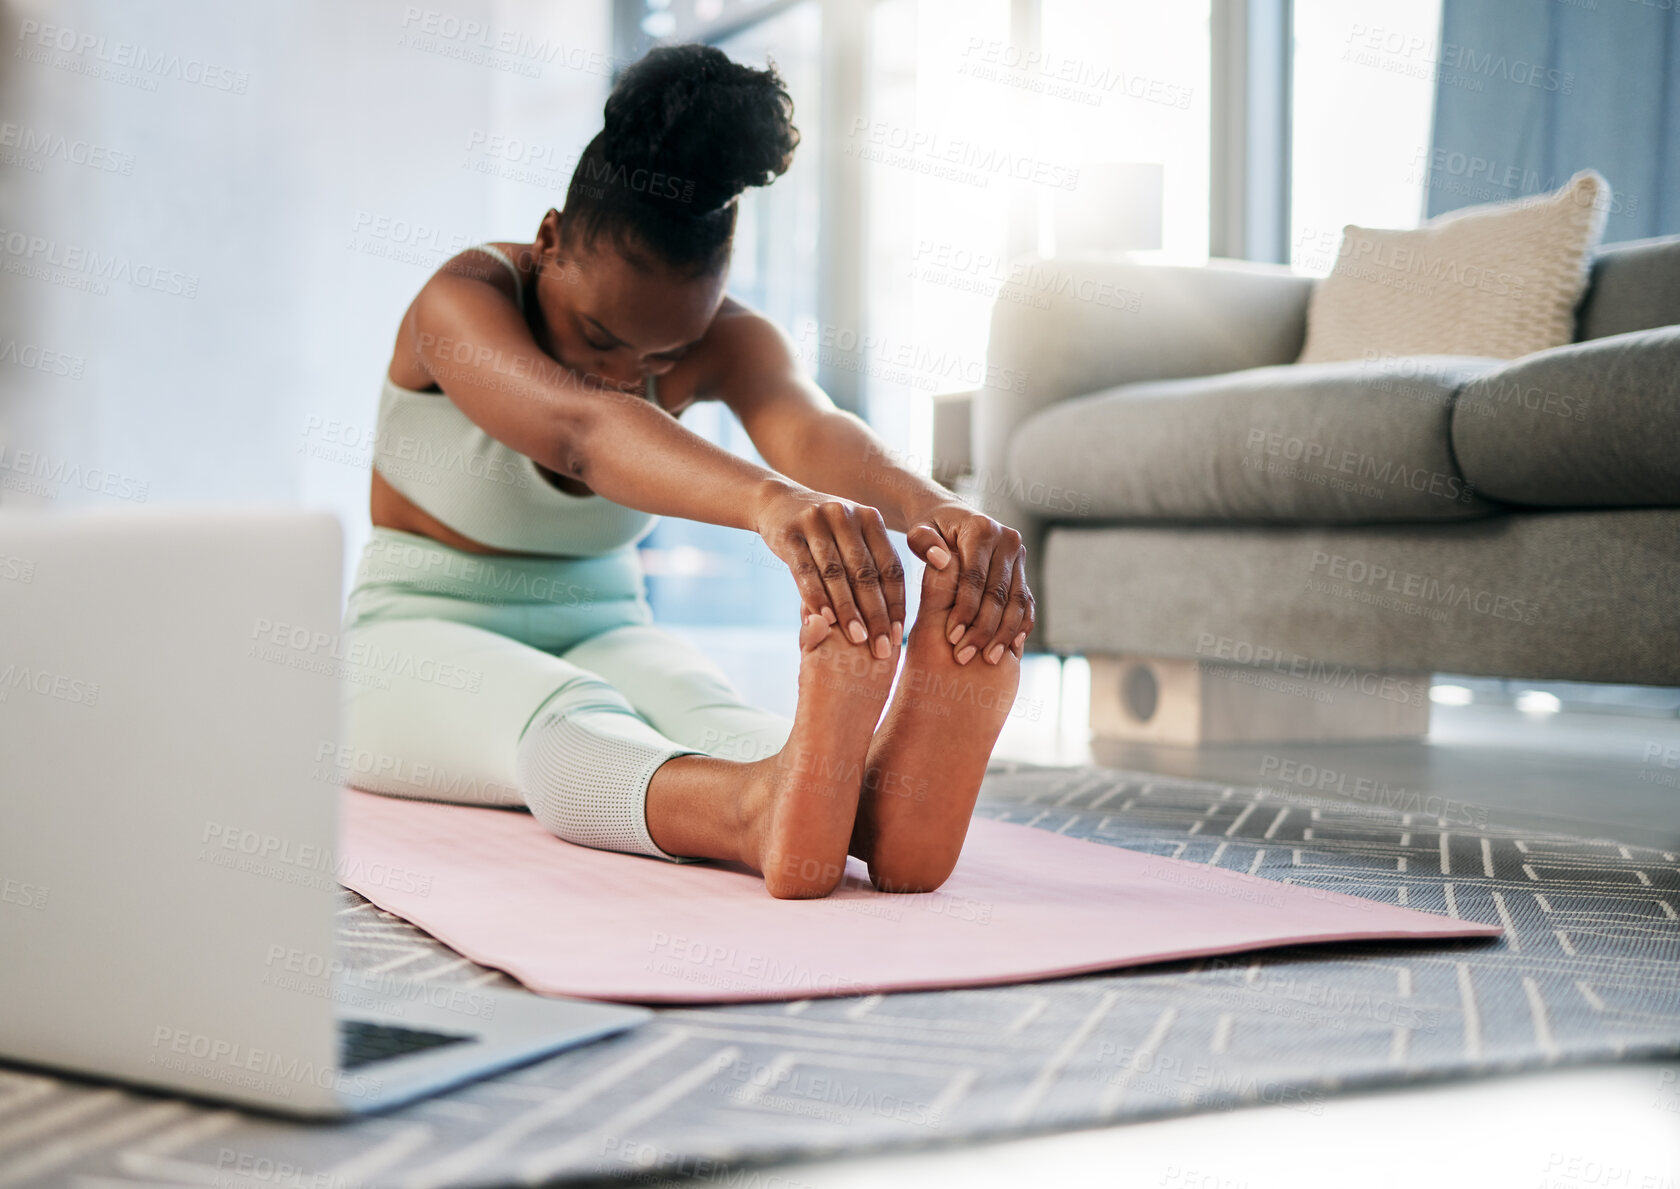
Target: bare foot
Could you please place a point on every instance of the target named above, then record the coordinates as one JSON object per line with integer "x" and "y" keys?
{"x": 798, "y": 805}
{"x": 925, "y": 763}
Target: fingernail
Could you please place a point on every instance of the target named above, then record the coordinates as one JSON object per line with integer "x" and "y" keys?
{"x": 857, "y": 632}
{"x": 966, "y": 655}
{"x": 939, "y": 556}
{"x": 897, "y": 632}
{"x": 994, "y": 654}
{"x": 828, "y": 614}
{"x": 956, "y": 633}
{"x": 1020, "y": 643}
{"x": 883, "y": 649}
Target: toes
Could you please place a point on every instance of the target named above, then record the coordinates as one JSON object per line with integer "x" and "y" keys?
{"x": 939, "y": 588}
{"x": 812, "y": 632}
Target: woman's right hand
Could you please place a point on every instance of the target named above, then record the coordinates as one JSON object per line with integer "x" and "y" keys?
{"x": 841, "y": 559}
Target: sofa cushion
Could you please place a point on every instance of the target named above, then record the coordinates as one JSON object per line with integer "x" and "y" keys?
{"x": 1595, "y": 424}
{"x": 1332, "y": 443}
{"x": 1634, "y": 286}
{"x": 1501, "y": 279}
{"x": 1572, "y": 596}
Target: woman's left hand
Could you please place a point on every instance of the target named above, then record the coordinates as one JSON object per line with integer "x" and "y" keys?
{"x": 994, "y": 610}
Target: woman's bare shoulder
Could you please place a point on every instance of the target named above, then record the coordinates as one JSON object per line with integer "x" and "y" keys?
{"x": 473, "y": 264}
{"x": 742, "y": 333}
{"x": 479, "y": 265}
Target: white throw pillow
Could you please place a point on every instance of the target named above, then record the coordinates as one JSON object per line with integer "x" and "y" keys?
{"x": 1498, "y": 280}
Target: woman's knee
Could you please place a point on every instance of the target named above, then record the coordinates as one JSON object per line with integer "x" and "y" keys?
{"x": 585, "y": 776}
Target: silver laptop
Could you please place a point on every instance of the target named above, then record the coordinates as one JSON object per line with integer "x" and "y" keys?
{"x": 168, "y": 830}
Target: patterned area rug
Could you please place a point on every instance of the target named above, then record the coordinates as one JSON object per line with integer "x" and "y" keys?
{"x": 1589, "y": 969}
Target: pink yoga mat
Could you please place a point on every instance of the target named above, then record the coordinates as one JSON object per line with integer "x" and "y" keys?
{"x": 1023, "y": 904}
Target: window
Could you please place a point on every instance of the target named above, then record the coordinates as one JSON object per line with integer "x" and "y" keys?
{"x": 1364, "y": 96}
{"x": 981, "y": 148}
{"x": 1126, "y": 98}
{"x": 935, "y": 146}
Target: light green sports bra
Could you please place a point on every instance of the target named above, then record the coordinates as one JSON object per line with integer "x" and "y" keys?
{"x": 433, "y": 453}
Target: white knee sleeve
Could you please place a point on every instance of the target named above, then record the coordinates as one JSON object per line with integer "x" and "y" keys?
{"x": 585, "y": 777}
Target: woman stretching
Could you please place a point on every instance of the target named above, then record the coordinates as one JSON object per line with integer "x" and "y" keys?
{"x": 528, "y": 437}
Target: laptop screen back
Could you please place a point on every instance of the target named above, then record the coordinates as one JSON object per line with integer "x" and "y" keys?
{"x": 169, "y": 713}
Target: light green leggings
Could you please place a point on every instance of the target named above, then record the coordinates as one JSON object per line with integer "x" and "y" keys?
{"x": 535, "y": 682}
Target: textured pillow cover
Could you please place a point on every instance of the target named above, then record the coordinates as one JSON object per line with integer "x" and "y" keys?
{"x": 1498, "y": 280}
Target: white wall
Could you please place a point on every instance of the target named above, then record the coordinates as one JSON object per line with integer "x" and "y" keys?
{"x": 212, "y": 217}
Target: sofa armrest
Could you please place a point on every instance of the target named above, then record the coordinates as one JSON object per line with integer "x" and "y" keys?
{"x": 1635, "y": 285}
{"x": 1070, "y": 326}
{"x": 1589, "y": 425}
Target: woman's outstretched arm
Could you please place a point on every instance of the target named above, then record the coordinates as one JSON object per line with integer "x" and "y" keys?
{"x": 799, "y": 431}
{"x": 474, "y": 343}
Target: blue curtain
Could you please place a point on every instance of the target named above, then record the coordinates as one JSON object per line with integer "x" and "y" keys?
{"x": 1530, "y": 91}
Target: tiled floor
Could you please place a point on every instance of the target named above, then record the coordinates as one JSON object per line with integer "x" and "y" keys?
{"x": 1588, "y": 773}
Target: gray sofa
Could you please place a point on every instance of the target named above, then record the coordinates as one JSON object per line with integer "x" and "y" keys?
{"x": 1187, "y": 490}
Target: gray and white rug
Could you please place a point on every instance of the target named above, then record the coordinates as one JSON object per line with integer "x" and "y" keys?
{"x": 1589, "y": 969}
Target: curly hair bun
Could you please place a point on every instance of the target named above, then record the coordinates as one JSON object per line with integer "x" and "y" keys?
{"x": 715, "y": 126}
